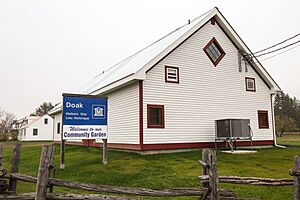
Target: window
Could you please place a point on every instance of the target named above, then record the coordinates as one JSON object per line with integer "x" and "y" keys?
{"x": 58, "y": 128}
{"x": 263, "y": 120}
{"x": 214, "y": 51}
{"x": 250, "y": 84}
{"x": 155, "y": 115}
{"x": 35, "y": 131}
{"x": 45, "y": 121}
{"x": 171, "y": 74}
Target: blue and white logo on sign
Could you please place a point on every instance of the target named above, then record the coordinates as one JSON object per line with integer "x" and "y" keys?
{"x": 98, "y": 111}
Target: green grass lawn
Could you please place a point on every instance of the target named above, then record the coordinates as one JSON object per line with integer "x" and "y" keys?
{"x": 159, "y": 171}
{"x": 291, "y": 139}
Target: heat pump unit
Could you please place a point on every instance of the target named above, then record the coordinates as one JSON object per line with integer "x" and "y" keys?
{"x": 233, "y": 129}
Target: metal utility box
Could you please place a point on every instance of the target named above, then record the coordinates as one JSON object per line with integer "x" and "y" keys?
{"x": 233, "y": 129}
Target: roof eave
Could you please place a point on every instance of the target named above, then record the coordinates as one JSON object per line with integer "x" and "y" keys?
{"x": 118, "y": 84}
{"x": 57, "y": 110}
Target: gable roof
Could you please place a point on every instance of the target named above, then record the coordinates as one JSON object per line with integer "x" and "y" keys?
{"x": 32, "y": 119}
{"x": 135, "y": 66}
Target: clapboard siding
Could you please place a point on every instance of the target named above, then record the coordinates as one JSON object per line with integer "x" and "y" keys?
{"x": 44, "y": 130}
{"x": 204, "y": 93}
{"x": 123, "y": 115}
{"x": 57, "y": 119}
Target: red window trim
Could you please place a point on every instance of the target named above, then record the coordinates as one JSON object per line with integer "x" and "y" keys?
{"x": 166, "y": 74}
{"x": 214, "y": 40}
{"x": 260, "y": 126}
{"x": 148, "y": 116}
{"x": 247, "y": 89}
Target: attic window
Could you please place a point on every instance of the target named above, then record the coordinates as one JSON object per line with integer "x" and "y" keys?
{"x": 214, "y": 51}
{"x": 171, "y": 74}
{"x": 250, "y": 84}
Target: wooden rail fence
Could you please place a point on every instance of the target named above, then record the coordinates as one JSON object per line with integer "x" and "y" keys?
{"x": 210, "y": 178}
{"x": 46, "y": 180}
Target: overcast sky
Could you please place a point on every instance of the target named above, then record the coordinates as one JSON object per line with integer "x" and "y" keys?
{"x": 55, "y": 46}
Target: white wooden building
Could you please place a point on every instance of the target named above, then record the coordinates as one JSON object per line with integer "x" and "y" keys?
{"x": 168, "y": 95}
{"x": 56, "y": 114}
{"x": 35, "y": 128}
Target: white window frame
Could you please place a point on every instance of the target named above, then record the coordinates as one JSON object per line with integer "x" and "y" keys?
{"x": 247, "y": 79}
{"x": 170, "y": 78}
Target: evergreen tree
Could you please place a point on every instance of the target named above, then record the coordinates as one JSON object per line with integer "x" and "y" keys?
{"x": 43, "y": 109}
{"x": 287, "y": 113}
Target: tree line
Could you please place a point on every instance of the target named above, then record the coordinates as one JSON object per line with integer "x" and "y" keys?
{"x": 287, "y": 113}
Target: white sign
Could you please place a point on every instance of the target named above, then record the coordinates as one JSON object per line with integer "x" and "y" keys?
{"x": 84, "y": 132}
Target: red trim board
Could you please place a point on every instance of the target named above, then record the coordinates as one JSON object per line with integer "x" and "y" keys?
{"x": 141, "y": 127}
{"x": 167, "y": 146}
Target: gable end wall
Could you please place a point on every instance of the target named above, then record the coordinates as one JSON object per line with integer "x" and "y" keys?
{"x": 44, "y": 130}
{"x": 205, "y": 92}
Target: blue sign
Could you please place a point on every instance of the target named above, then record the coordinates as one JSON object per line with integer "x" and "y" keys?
{"x": 84, "y": 117}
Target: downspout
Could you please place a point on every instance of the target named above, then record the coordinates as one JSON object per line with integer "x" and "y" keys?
{"x": 273, "y": 124}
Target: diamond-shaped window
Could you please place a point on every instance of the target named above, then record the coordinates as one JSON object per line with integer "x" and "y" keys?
{"x": 214, "y": 51}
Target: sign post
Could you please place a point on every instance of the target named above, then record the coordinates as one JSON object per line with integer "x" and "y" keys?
{"x": 84, "y": 117}
{"x": 104, "y": 151}
{"x": 62, "y": 153}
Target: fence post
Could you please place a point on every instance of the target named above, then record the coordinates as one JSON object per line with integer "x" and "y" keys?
{"x": 14, "y": 167}
{"x": 205, "y": 168}
{"x": 104, "y": 151}
{"x": 297, "y": 178}
{"x": 52, "y": 167}
{"x": 42, "y": 180}
{"x": 62, "y": 153}
{"x": 213, "y": 175}
{"x": 1, "y": 153}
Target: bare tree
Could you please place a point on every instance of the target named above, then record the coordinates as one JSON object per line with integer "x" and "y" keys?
{"x": 284, "y": 124}
{"x": 7, "y": 121}
{"x": 1, "y": 113}
{"x": 6, "y": 124}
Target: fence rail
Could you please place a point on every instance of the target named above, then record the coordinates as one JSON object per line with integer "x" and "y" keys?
{"x": 46, "y": 180}
{"x": 210, "y": 178}
{"x": 250, "y": 180}
{"x": 120, "y": 190}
